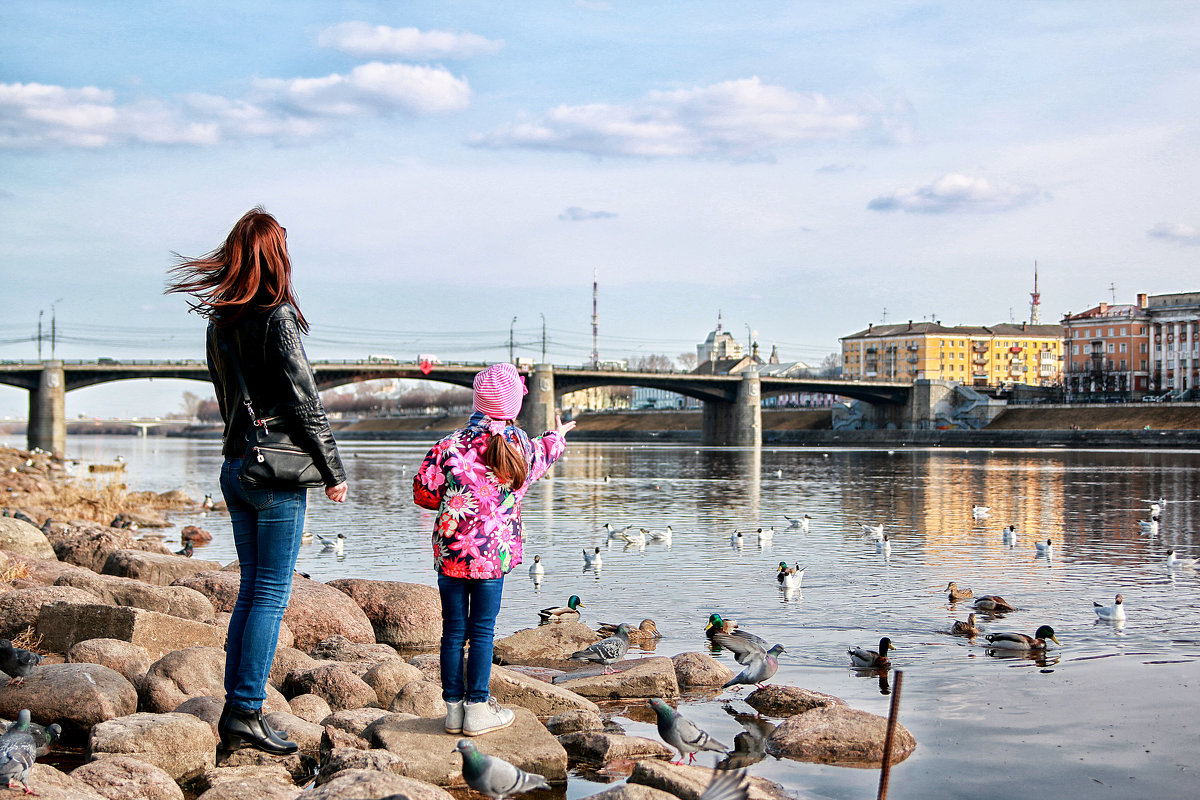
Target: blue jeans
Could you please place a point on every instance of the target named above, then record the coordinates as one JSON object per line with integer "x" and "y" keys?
{"x": 267, "y": 525}
{"x": 469, "y": 609}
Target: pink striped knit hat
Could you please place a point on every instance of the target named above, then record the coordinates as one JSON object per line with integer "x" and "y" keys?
{"x": 499, "y": 390}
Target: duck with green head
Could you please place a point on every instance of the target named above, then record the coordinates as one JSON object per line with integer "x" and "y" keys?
{"x": 716, "y": 624}
{"x": 561, "y": 613}
{"x": 1019, "y": 641}
{"x": 872, "y": 659}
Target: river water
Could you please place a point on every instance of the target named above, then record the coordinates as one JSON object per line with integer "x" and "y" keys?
{"x": 1112, "y": 712}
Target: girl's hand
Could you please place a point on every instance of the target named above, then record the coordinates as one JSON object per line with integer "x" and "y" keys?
{"x": 561, "y": 427}
{"x": 337, "y": 493}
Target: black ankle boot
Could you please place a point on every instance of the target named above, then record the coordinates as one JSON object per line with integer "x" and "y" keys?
{"x": 238, "y": 729}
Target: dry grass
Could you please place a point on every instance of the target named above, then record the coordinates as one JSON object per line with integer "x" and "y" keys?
{"x": 95, "y": 500}
{"x": 16, "y": 570}
{"x": 28, "y": 639}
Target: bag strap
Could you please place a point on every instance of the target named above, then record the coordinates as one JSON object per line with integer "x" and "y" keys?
{"x": 231, "y": 351}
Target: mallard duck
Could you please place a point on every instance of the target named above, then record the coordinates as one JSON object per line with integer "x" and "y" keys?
{"x": 993, "y": 602}
{"x": 780, "y": 570}
{"x": 1113, "y": 613}
{"x": 794, "y": 577}
{"x": 646, "y": 632}
{"x": 1183, "y": 563}
{"x": 960, "y": 628}
{"x": 871, "y": 659}
{"x": 957, "y": 593}
{"x": 559, "y": 613}
{"x": 717, "y": 624}
{"x": 537, "y": 569}
{"x": 1019, "y": 641}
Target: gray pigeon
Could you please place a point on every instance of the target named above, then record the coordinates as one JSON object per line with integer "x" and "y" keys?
{"x": 493, "y": 776}
{"x": 682, "y": 733}
{"x": 17, "y": 753}
{"x": 17, "y": 663}
{"x": 606, "y": 651}
{"x": 759, "y": 664}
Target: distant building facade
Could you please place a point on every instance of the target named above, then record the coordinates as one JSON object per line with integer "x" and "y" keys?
{"x": 984, "y": 356}
{"x": 1174, "y": 327}
{"x": 1108, "y": 349}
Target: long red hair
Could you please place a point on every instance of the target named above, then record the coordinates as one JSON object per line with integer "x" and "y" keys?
{"x": 249, "y": 272}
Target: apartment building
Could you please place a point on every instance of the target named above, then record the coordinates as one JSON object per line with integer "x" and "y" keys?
{"x": 1108, "y": 349}
{"x": 985, "y": 356}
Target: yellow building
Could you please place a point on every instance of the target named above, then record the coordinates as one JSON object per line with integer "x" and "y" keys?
{"x": 989, "y": 356}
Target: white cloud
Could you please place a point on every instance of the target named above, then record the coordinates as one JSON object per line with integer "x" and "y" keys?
{"x": 734, "y": 119}
{"x": 956, "y": 193}
{"x": 577, "y": 214}
{"x": 1176, "y": 232}
{"x": 40, "y": 116}
{"x": 381, "y": 41}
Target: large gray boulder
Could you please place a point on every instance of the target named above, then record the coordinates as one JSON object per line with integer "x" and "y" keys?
{"x": 193, "y": 672}
{"x": 641, "y": 678}
{"x": 180, "y": 744}
{"x": 158, "y": 568}
{"x": 123, "y": 777}
{"x": 287, "y": 661}
{"x": 76, "y": 696}
{"x": 367, "y": 784}
{"x": 545, "y": 645}
{"x": 62, "y": 625}
{"x": 127, "y": 658}
{"x": 310, "y": 707}
{"x": 315, "y": 612}
{"x": 304, "y": 733}
{"x": 778, "y": 700}
{"x": 90, "y": 545}
{"x": 178, "y": 601}
{"x": 403, "y": 615}
{"x": 339, "y": 759}
{"x": 50, "y": 784}
{"x": 543, "y": 699}
{"x": 598, "y": 747}
{"x": 431, "y": 754}
{"x": 19, "y": 608}
{"x": 355, "y": 721}
{"x": 574, "y": 721}
{"x": 256, "y": 782}
{"x": 420, "y": 698}
{"x": 700, "y": 670}
{"x": 838, "y": 734}
{"x": 44, "y": 572}
{"x": 339, "y": 648}
{"x": 17, "y": 536}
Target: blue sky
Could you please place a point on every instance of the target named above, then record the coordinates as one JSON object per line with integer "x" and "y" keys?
{"x": 444, "y": 167}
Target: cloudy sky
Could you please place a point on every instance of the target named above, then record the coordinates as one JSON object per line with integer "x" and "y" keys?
{"x": 805, "y": 168}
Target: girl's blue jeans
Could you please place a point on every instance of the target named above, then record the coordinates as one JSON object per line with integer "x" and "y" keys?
{"x": 469, "y": 609}
{"x": 267, "y": 525}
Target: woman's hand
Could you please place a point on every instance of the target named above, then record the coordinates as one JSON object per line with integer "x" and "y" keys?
{"x": 337, "y": 493}
{"x": 561, "y": 427}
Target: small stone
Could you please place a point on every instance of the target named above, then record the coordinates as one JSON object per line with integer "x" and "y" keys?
{"x": 574, "y": 720}
{"x": 305, "y": 734}
{"x": 194, "y": 534}
{"x": 339, "y": 687}
{"x": 430, "y": 665}
{"x": 700, "y": 669}
{"x": 18, "y": 536}
{"x": 388, "y": 676}
{"x": 355, "y": 720}
{"x": 310, "y": 707}
{"x": 420, "y": 698}
{"x": 287, "y": 661}
{"x": 343, "y": 758}
{"x": 777, "y": 700}
{"x": 600, "y": 748}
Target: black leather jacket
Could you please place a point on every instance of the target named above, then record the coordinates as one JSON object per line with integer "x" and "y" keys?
{"x": 280, "y": 381}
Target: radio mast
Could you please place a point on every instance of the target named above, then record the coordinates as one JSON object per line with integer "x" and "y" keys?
{"x": 595, "y": 326}
{"x": 1035, "y": 301}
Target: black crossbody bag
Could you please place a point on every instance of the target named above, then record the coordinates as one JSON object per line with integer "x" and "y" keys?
{"x": 271, "y": 459}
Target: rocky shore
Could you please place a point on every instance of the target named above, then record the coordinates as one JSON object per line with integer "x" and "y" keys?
{"x": 132, "y": 639}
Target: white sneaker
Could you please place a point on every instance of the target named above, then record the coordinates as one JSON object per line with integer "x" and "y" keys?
{"x": 481, "y": 718}
{"x": 454, "y": 717}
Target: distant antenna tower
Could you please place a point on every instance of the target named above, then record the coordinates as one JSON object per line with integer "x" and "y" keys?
{"x": 1035, "y": 301}
{"x": 883, "y": 318}
{"x": 1112, "y": 287}
{"x": 595, "y": 325}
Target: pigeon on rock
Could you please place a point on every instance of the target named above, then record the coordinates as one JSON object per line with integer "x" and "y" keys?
{"x": 17, "y": 753}
{"x": 17, "y": 663}
{"x": 682, "y": 734}
{"x": 494, "y": 776}
{"x": 760, "y": 665}
{"x": 606, "y": 651}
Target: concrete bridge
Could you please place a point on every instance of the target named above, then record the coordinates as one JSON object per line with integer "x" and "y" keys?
{"x": 732, "y": 404}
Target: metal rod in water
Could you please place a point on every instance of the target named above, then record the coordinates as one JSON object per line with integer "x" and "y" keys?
{"x": 893, "y": 713}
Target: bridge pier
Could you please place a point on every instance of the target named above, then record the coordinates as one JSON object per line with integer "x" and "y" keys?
{"x": 537, "y": 414}
{"x": 738, "y": 423}
{"x": 47, "y": 427}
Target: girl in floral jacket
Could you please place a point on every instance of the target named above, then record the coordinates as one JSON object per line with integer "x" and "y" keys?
{"x": 475, "y": 479}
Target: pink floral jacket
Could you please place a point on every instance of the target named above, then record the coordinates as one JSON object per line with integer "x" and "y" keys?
{"x": 478, "y": 532}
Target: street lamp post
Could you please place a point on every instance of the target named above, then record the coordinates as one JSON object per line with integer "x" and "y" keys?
{"x": 53, "y": 327}
{"x": 543, "y": 316}
{"x": 40, "y": 313}
{"x": 510, "y": 341}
